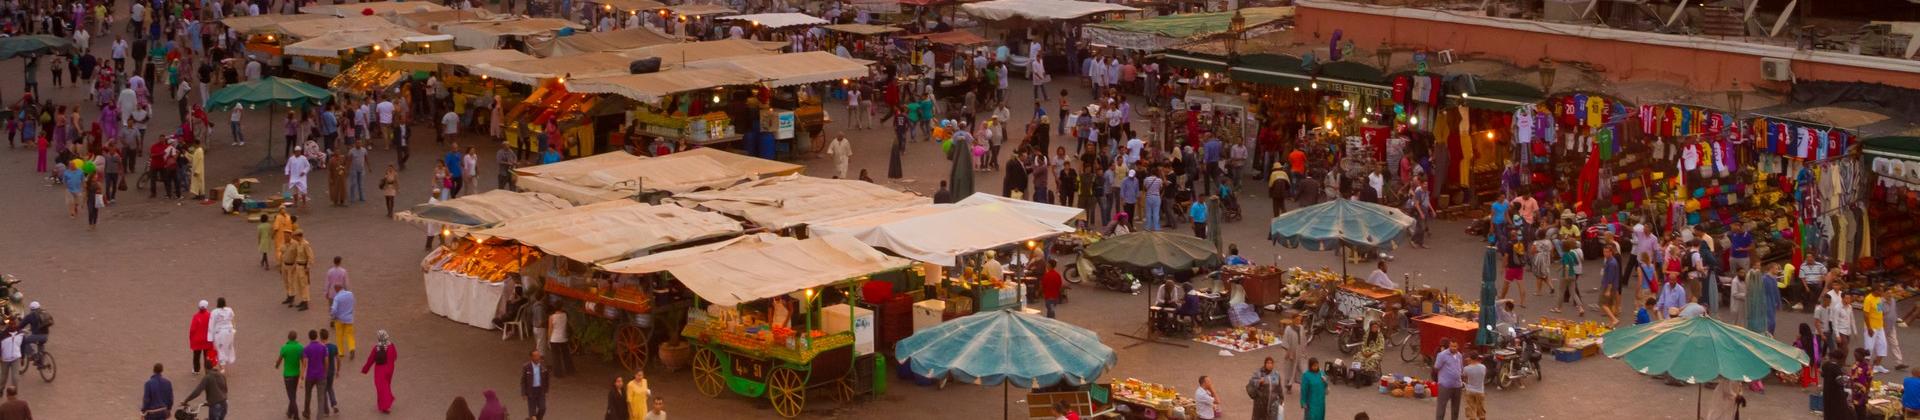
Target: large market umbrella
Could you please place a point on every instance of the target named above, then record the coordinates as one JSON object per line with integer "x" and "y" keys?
{"x": 1158, "y": 249}
{"x": 1332, "y": 224}
{"x": 1007, "y": 348}
{"x": 961, "y": 182}
{"x": 1701, "y": 349}
{"x": 271, "y": 91}
{"x": 15, "y": 46}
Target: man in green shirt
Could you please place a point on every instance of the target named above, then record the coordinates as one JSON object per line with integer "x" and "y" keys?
{"x": 289, "y": 364}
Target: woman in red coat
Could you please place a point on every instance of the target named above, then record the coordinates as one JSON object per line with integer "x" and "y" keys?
{"x": 381, "y": 363}
{"x": 197, "y": 338}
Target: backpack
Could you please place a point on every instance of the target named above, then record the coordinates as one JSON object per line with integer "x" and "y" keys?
{"x": 380, "y": 355}
{"x": 46, "y": 318}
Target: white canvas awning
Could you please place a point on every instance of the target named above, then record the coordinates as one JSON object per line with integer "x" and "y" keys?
{"x": 487, "y": 33}
{"x": 631, "y": 5}
{"x": 651, "y": 87}
{"x": 484, "y": 209}
{"x": 309, "y": 28}
{"x": 617, "y": 175}
{"x": 467, "y": 58}
{"x": 1040, "y": 9}
{"x": 678, "y": 55}
{"x": 941, "y": 233}
{"x": 586, "y": 42}
{"x": 764, "y": 266}
{"x": 530, "y": 72}
{"x": 377, "y": 8}
{"x": 777, "y": 20}
{"x": 792, "y": 68}
{"x": 792, "y": 200}
{"x": 611, "y": 230}
{"x": 700, "y": 9}
{"x": 1039, "y": 211}
{"x": 331, "y": 44}
{"x": 431, "y": 21}
{"x": 248, "y": 24}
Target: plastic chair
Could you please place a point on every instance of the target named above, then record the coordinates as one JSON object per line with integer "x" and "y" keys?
{"x": 517, "y": 326}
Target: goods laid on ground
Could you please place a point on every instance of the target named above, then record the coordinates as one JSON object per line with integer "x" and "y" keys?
{"x": 1162, "y": 399}
{"x": 1240, "y": 339}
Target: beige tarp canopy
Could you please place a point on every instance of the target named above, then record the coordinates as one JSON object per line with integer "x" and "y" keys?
{"x": 793, "y": 68}
{"x": 861, "y": 28}
{"x": 484, "y": 209}
{"x": 677, "y": 55}
{"x": 960, "y": 38}
{"x": 1040, "y": 9}
{"x": 651, "y": 87}
{"x": 431, "y": 21}
{"x": 631, "y": 5}
{"x": 600, "y": 64}
{"x": 612, "y": 176}
{"x": 468, "y": 58}
{"x": 700, "y": 9}
{"x": 941, "y": 233}
{"x": 777, "y": 20}
{"x": 303, "y": 29}
{"x": 248, "y": 24}
{"x": 1040, "y": 211}
{"x": 378, "y": 8}
{"x": 487, "y": 33}
{"x": 586, "y": 42}
{"x": 331, "y": 44}
{"x": 793, "y": 200}
{"x": 611, "y": 230}
{"x": 763, "y": 266}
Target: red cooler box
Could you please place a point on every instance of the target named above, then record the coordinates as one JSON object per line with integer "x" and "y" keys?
{"x": 1434, "y": 328}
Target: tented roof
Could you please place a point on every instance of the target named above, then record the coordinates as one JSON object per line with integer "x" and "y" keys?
{"x": 487, "y": 33}
{"x": 610, "y": 176}
{"x": 961, "y": 38}
{"x": 611, "y": 230}
{"x": 1162, "y": 32}
{"x": 303, "y": 29}
{"x": 465, "y": 58}
{"x": 778, "y": 20}
{"x": 699, "y": 9}
{"x": 1038, "y": 211}
{"x": 793, "y": 200}
{"x": 941, "y": 233}
{"x": 1040, "y": 9}
{"x": 378, "y": 8}
{"x": 632, "y": 5}
{"x": 600, "y": 64}
{"x": 764, "y": 266}
{"x": 485, "y": 208}
{"x": 586, "y": 42}
{"x": 431, "y": 21}
{"x": 678, "y": 54}
{"x": 793, "y": 68}
{"x": 862, "y": 29}
{"x": 331, "y": 44}
{"x": 248, "y": 24}
{"x": 651, "y": 87}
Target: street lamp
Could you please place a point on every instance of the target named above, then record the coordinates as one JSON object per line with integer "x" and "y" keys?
{"x": 1734, "y": 96}
{"x": 1547, "y": 68}
{"x": 1384, "y": 55}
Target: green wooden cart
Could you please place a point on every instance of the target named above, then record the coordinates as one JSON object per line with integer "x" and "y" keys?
{"x": 746, "y": 364}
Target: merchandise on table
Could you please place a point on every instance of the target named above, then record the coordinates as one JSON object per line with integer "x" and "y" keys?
{"x": 750, "y": 332}
{"x": 482, "y": 261}
{"x": 1568, "y": 331}
{"x": 1241, "y": 339}
{"x": 1152, "y": 395}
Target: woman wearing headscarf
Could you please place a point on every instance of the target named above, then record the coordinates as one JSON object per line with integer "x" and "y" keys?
{"x": 1809, "y": 343}
{"x": 1833, "y": 399}
{"x": 616, "y": 401}
{"x": 220, "y": 330}
{"x": 492, "y": 410}
{"x": 381, "y": 363}
{"x": 459, "y": 410}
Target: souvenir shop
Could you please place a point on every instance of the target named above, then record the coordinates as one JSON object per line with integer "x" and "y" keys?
{"x": 1560, "y": 144}
{"x": 1894, "y": 189}
{"x": 1812, "y": 176}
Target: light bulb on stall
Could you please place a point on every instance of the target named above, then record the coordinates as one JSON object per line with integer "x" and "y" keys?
{"x": 1346, "y": 104}
{"x": 1489, "y": 135}
{"x": 1296, "y": 88}
{"x": 1363, "y": 120}
{"x": 1329, "y": 123}
{"x": 1415, "y": 120}
{"x": 716, "y": 98}
{"x": 1316, "y": 85}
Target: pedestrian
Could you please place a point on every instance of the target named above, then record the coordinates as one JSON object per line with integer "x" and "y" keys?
{"x": 535, "y": 379}
{"x": 156, "y": 401}
{"x": 1874, "y": 338}
{"x": 638, "y": 394}
{"x": 314, "y": 363}
{"x": 1763, "y": 300}
{"x": 381, "y": 363}
{"x": 1198, "y": 212}
{"x": 1268, "y": 392}
{"x": 221, "y": 332}
{"x": 357, "y": 174}
{"x": 1293, "y": 345}
{"x": 1205, "y": 404}
{"x": 198, "y": 341}
{"x": 842, "y": 152}
{"x": 460, "y": 410}
{"x": 294, "y": 257}
{"x": 329, "y": 402}
{"x": 296, "y": 170}
{"x": 1474, "y": 377}
{"x": 265, "y": 240}
{"x": 453, "y": 164}
{"x": 617, "y": 401}
{"x": 15, "y": 408}
{"x": 659, "y": 409}
{"x": 1051, "y": 284}
{"x": 470, "y": 167}
{"x": 1313, "y": 391}
{"x": 1610, "y": 284}
{"x": 1446, "y": 371}
{"x": 10, "y": 352}
{"x": 289, "y": 365}
{"x": 336, "y": 278}
{"x": 1570, "y": 257}
{"x": 214, "y": 384}
{"x": 336, "y": 178}
{"x": 342, "y": 312}
{"x": 492, "y": 409}
{"x": 507, "y": 161}
{"x": 390, "y": 187}
{"x": 557, "y": 341}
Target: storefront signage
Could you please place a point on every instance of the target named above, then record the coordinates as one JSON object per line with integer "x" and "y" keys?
{"x": 786, "y": 125}
{"x": 1355, "y": 90}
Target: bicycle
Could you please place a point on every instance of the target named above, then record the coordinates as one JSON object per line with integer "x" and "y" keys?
{"x": 42, "y": 361}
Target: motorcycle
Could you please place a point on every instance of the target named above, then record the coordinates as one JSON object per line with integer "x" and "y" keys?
{"x": 1517, "y": 358}
{"x": 1106, "y": 276}
{"x": 1349, "y": 334}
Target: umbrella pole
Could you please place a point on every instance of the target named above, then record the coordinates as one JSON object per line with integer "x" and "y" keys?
{"x": 1699, "y": 392}
{"x": 1004, "y": 405}
{"x": 266, "y": 163}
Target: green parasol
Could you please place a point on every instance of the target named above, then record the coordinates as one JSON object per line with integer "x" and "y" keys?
{"x": 1489, "y": 316}
{"x": 271, "y": 91}
{"x": 15, "y": 46}
{"x": 1148, "y": 250}
{"x": 1699, "y": 349}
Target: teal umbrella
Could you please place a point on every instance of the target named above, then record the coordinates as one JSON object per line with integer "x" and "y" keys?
{"x": 15, "y": 46}
{"x": 270, "y": 91}
{"x": 1007, "y": 348}
{"x": 1700, "y": 349}
{"x": 1489, "y": 316}
{"x": 1341, "y": 222}
{"x": 1149, "y": 250}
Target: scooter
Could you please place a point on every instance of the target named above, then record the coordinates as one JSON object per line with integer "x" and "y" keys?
{"x": 1106, "y": 276}
{"x": 1518, "y": 359}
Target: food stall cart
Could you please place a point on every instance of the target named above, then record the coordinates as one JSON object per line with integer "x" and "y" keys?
{"x": 618, "y": 175}
{"x": 790, "y": 88}
{"x": 861, "y": 40}
{"x": 454, "y": 68}
{"x": 762, "y": 325}
{"x": 1436, "y": 328}
{"x": 1151, "y": 400}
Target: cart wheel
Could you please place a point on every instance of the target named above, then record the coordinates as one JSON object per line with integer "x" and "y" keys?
{"x": 843, "y": 390}
{"x": 630, "y": 345}
{"x": 787, "y": 390}
{"x": 1409, "y": 349}
{"x": 706, "y": 372}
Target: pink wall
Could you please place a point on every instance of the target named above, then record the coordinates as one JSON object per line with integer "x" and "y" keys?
{"x": 1698, "y": 69}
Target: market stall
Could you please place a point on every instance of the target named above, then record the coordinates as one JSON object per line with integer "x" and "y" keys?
{"x": 512, "y": 33}
{"x": 790, "y": 201}
{"x": 696, "y": 20}
{"x": 266, "y": 43}
{"x": 429, "y": 22}
{"x": 762, "y": 324}
{"x": 588, "y": 42}
{"x": 859, "y": 40}
{"x": 479, "y": 211}
{"x": 335, "y": 53}
{"x": 775, "y": 26}
{"x": 1894, "y": 187}
{"x": 951, "y": 241}
{"x": 252, "y": 24}
{"x": 617, "y": 175}
{"x": 1163, "y": 32}
{"x": 975, "y": 349}
{"x": 378, "y": 8}
{"x": 792, "y": 94}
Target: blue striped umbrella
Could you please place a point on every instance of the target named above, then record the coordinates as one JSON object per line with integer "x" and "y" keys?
{"x": 1328, "y": 225}
{"x": 1007, "y": 348}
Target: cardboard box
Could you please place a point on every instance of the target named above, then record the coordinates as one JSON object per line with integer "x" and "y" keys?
{"x": 928, "y": 313}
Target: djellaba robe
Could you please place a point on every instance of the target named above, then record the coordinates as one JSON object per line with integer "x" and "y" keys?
{"x": 382, "y": 375}
{"x": 1313, "y": 395}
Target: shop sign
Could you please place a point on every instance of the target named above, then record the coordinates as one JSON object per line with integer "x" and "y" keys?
{"x": 786, "y": 125}
{"x": 1356, "y": 90}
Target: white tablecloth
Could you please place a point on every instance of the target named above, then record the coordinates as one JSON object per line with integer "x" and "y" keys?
{"x": 463, "y": 299}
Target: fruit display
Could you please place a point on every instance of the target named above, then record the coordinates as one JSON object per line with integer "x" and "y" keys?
{"x": 747, "y": 335}
{"x": 1566, "y": 330}
{"x": 486, "y": 262}
{"x": 1240, "y": 339}
{"x": 1150, "y": 394}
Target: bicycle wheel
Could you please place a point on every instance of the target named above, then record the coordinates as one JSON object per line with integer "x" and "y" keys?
{"x": 1409, "y": 348}
{"x": 47, "y": 367}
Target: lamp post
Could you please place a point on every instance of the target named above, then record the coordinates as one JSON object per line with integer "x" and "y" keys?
{"x": 1547, "y": 68}
{"x": 1384, "y": 55}
{"x": 1734, "y": 96}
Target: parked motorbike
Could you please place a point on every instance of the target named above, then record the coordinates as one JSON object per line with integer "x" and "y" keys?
{"x": 1517, "y": 358}
{"x": 1106, "y": 276}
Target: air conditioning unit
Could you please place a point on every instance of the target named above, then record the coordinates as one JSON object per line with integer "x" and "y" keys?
{"x": 1776, "y": 69}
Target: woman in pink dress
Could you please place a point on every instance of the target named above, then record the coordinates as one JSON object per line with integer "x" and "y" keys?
{"x": 381, "y": 362}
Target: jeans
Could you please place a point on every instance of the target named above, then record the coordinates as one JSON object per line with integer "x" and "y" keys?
{"x": 1152, "y": 212}
{"x": 1447, "y": 396}
{"x": 237, "y": 138}
{"x": 217, "y": 411}
{"x": 354, "y": 191}
{"x": 314, "y": 387}
{"x": 293, "y": 398}
{"x": 1050, "y": 305}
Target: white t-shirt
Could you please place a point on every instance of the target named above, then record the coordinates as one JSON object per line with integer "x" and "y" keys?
{"x": 450, "y": 123}
{"x": 385, "y": 108}
{"x": 557, "y": 327}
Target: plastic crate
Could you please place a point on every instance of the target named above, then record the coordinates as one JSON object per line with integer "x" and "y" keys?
{"x": 1815, "y": 403}
{"x": 1566, "y": 354}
